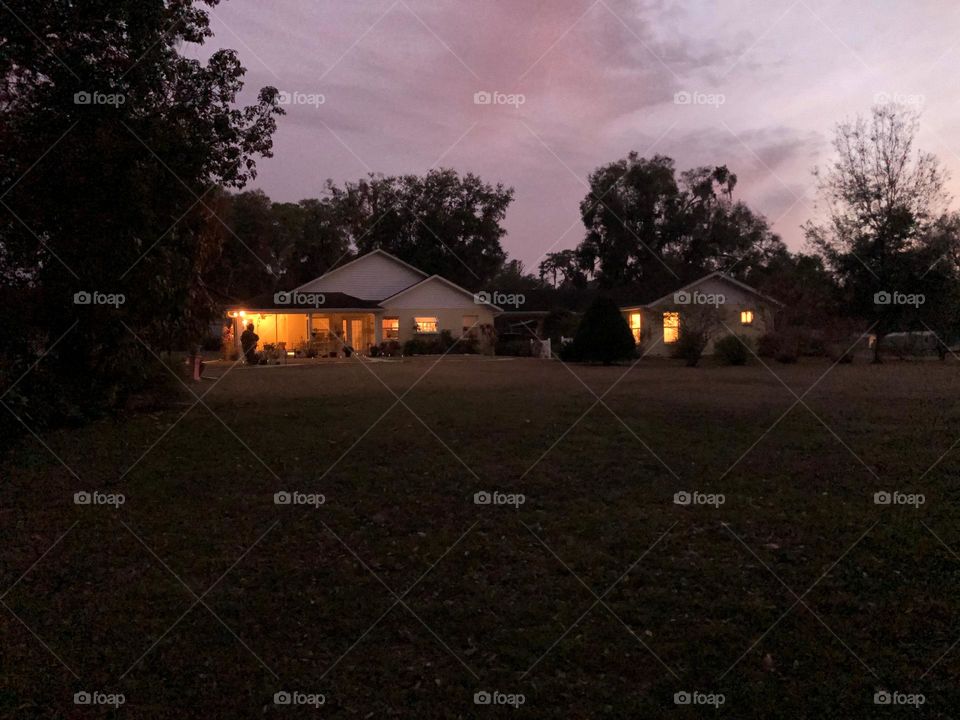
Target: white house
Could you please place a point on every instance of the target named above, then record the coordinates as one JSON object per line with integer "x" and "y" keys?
{"x": 726, "y": 304}
{"x": 375, "y": 298}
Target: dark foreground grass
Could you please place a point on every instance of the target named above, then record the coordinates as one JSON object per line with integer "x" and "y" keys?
{"x": 798, "y": 597}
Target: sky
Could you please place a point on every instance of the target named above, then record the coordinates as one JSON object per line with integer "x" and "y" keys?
{"x": 391, "y": 86}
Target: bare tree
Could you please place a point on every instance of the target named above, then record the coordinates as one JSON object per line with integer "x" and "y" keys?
{"x": 881, "y": 197}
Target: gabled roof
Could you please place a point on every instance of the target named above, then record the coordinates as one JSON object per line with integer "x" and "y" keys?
{"x": 446, "y": 282}
{"x": 716, "y": 274}
{"x": 364, "y": 257}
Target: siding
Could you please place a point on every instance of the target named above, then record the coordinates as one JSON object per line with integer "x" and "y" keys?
{"x": 372, "y": 277}
{"x": 433, "y": 293}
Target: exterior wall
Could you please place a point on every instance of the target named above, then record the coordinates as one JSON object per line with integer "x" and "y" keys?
{"x": 435, "y": 298}
{"x": 372, "y": 277}
{"x": 447, "y": 318}
{"x": 736, "y": 299}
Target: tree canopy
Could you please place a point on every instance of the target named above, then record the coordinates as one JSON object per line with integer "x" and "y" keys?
{"x": 112, "y": 146}
{"x": 648, "y": 227}
{"x": 884, "y": 234}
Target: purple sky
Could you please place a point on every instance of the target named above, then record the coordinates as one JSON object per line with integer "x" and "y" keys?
{"x": 767, "y": 80}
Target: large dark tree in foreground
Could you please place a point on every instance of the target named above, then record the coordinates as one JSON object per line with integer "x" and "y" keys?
{"x": 112, "y": 145}
{"x": 440, "y": 222}
{"x": 882, "y": 199}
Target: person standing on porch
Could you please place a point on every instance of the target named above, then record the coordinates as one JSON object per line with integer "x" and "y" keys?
{"x": 248, "y": 341}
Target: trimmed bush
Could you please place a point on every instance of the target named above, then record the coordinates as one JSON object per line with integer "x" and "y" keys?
{"x": 603, "y": 336}
{"x": 690, "y": 346}
{"x": 732, "y": 350}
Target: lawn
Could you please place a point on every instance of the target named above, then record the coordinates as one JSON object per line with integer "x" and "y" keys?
{"x": 598, "y": 596}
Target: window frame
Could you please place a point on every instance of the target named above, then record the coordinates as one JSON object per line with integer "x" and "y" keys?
{"x": 636, "y": 330}
{"x": 391, "y": 333}
{"x": 426, "y": 319}
{"x": 674, "y": 326}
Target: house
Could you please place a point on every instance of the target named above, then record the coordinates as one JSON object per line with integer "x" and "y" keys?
{"x": 372, "y": 299}
{"x": 716, "y": 302}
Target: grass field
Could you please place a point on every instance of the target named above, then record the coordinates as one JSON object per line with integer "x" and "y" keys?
{"x": 797, "y": 597}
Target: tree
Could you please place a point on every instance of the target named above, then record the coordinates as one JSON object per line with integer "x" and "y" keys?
{"x": 644, "y": 226}
{"x": 440, "y": 222}
{"x": 565, "y": 264}
{"x": 881, "y": 199}
{"x": 940, "y": 282}
{"x": 603, "y": 335}
{"x": 322, "y": 242}
{"x": 112, "y": 147}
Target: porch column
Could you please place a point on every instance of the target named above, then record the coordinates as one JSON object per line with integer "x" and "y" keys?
{"x": 377, "y": 330}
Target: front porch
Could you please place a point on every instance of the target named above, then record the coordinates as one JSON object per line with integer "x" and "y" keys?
{"x": 311, "y": 334}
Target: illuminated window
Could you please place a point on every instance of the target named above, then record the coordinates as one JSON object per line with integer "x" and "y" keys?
{"x": 391, "y": 328}
{"x": 636, "y": 320}
{"x": 671, "y": 327}
{"x": 470, "y": 322}
{"x": 746, "y": 317}
{"x": 319, "y": 326}
{"x": 426, "y": 324}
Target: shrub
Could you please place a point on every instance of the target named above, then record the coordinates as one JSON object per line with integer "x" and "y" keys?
{"x": 690, "y": 346}
{"x": 432, "y": 344}
{"x": 732, "y": 350}
{"x": 603, "y": 335}
{"x": 390, "y": 348}
{"x": 768, "y": 345}
{"x": 786, "y": 355}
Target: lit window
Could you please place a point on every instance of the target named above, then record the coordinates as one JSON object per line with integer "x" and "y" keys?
{"x": 746, "y": 317}
{"x": 426, "y": 324}
{"x": 470, "y": 322}
{"x": 671, "y": 327}
{"x": 636, "y": 320}
{"x": 319, "y": 326}
{"x": 391, "y": 328}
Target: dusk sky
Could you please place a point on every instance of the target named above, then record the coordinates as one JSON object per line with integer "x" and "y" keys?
{"x": 767, "y": 80}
